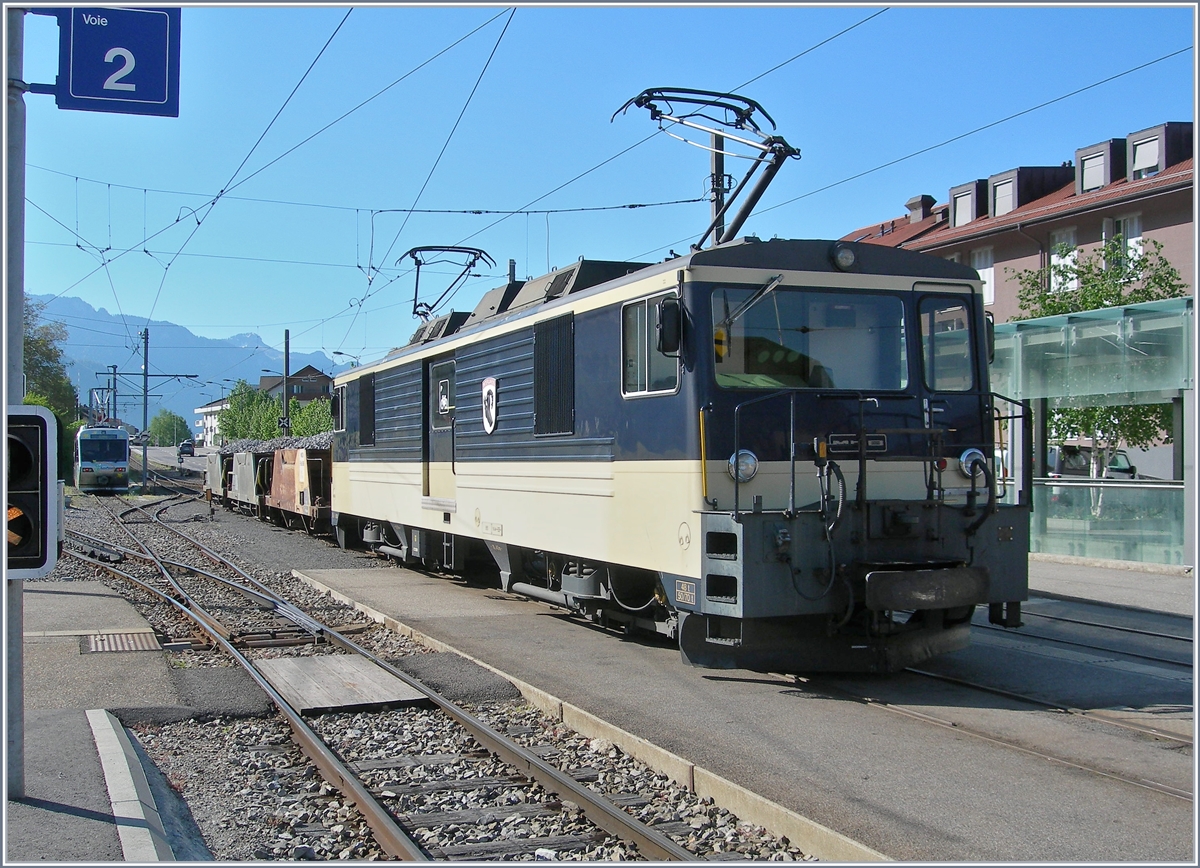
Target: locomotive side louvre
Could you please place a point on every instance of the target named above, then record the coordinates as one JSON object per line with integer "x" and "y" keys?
{"x": 592, "y": 463}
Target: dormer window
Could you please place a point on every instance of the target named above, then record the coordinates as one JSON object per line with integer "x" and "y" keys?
{"x": 1002, "y": 198}
{"x": 1145, "y": 158}
{"x": 968, "y": 202}
{"x": 964, "y": 207}
{"x": 1092, "y": 167}
{"x": 1152, "y": 150}
{"x": 1099, "y": 165}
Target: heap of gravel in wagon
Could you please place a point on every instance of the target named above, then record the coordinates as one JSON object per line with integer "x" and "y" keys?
{"x": 323, "y": 440}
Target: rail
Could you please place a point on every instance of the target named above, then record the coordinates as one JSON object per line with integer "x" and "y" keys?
{"x": 652, "y": 843}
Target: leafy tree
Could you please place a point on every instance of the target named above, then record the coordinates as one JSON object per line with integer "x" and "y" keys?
{"x": 167, "y": 429}
{"x": 66, "y": 435}
{"x": 314, "y": 417}
{"x": 1116, "y": 274}
{"x": 251, "y": 414}
{"x": 45, "y": 373}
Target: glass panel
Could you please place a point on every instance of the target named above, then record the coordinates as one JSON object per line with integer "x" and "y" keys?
{"x": 946, "y": 344}
{"x": 1093, "y": 172}
{"x": 1130, "y": 355}
{"x": 1002, "y": 198}
{"x": 962, "y": 209}
{"x": 441, "y": 379}
{"x": 664, "y": 370}
{"x": 1129, "y": 521}
{"x": 633, "y": 342}
{"x": 111, "y": 449}
{"x": 809, "y": 339}
{"x": 1145, "y": 157}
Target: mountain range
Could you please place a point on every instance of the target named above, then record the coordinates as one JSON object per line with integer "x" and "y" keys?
{"x": 98, "y": 340}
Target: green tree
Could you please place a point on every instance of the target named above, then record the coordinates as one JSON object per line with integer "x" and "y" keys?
{"x": 45, "y": 373}
{"x": 167, "y": 429}
{"x": 65, "y": 433}
{"x": 251, "y": 414}
{"x": 1116, "y": 274}
{"x": 315, "y": 417}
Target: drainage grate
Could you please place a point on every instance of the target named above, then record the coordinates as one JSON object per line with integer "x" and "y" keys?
{"x": 119, "y": 642}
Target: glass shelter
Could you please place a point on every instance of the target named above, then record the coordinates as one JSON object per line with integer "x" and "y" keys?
{"x": 1138, "y": 354}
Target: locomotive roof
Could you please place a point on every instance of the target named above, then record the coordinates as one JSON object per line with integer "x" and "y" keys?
{"x": 519, "y": 298}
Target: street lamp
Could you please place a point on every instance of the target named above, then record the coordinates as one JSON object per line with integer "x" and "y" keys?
{"x": 354, "y": 359}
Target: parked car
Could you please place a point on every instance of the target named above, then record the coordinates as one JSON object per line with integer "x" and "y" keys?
{"x": 187, "y": 447}
{"x": 140, "y": 439}
{"x": 1077, "y": 461}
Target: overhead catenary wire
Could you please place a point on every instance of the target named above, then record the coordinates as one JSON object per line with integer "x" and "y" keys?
{"x": 254, "y": 147}
{"x": 232, "y": 186}
{"x": 858, "y": 175}
{"x": 437, "y": 161}
{"x": 951, "y": 140}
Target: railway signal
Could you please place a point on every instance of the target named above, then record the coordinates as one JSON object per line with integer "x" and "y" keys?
{"x": 31, "y": 520}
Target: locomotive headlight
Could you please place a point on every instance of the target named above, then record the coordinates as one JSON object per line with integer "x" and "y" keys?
{"x": 844, "y": 257}
{"x": 743, "y": 465}
{"x": 966, "y": 462}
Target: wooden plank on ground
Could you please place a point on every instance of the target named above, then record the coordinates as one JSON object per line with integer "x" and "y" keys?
{"x": 335, "y": 681}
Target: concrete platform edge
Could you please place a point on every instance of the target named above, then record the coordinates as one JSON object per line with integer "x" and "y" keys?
{"x": 1134, "y": 566}
{"x": 139, "y": 826}
{"x": 811, "y": 837}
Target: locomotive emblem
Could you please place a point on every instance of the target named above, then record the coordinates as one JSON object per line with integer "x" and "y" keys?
{"x": 489, "y": 405}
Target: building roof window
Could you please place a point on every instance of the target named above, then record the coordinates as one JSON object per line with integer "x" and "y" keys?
{"x": 1093, "y": 172}
{"x": 1145, "y": 158}
{"x": 963, "y": 208}
{"x": 1002, "y": 198}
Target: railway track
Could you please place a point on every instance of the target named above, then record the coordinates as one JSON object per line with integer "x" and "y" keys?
{"x": 503, "y": 783}
{"x": 1178, "y": 648}
{"x": 962, "y": 684}
{"x": 956, "y": 726}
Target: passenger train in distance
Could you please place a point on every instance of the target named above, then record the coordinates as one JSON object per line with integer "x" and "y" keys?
{"x": 101, "y": 459}
{"x": 779, "y": 453}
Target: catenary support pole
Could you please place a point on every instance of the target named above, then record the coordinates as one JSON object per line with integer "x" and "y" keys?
{"x": 14, "y": 390}
{"x": 145, "y": 406}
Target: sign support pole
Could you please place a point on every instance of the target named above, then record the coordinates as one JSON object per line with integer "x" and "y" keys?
{"x": 15, "y": 278}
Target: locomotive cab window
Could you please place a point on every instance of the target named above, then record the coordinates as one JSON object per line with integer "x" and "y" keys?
{"x": 646, "y": 369}
{"x": 793, "y": 338}
{"x": 338, "y": 408}
{"x": 366, "y": 410}
{"x": 441, "y": 394}
{"x": 946, "y": 344}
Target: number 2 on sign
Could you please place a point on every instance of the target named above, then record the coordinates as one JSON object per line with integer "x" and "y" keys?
{"x": 113, "y": 82}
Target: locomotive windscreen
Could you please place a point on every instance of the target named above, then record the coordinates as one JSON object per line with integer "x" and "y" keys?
{"x": 102, "y": 450}
{"x": 803, "y": 338}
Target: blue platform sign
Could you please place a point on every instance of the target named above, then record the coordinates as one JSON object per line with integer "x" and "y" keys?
{"x": 118, "y": 60}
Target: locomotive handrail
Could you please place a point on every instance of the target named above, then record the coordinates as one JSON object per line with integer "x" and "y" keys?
{"x": 737, "y": 439}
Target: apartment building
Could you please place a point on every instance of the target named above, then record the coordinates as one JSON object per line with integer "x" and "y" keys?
{"x": 1139, "y": 187}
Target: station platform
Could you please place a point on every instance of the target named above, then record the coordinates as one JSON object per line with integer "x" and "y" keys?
{"x": 86, "y": 795}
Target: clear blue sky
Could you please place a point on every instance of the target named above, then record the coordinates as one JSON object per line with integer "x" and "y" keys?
{"x": 292, "y": 247}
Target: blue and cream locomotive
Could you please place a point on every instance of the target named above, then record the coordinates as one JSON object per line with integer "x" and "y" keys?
{"x": 779, "y": 452}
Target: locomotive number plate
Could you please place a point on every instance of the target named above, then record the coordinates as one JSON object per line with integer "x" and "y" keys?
{"x": 685, "y": 593}
{"x": 849, "y": 443}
